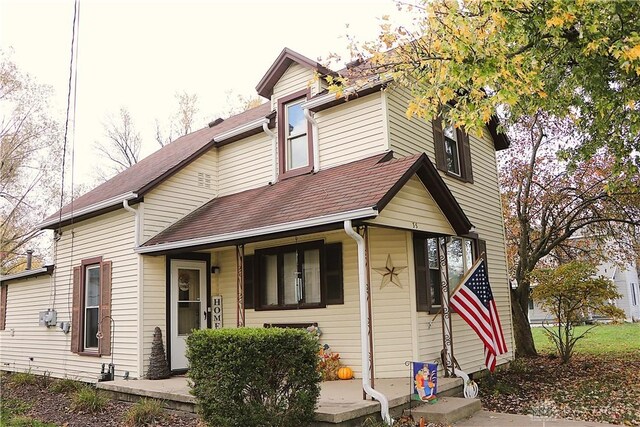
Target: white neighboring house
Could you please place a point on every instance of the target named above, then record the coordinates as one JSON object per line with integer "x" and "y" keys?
{"x": 626, "y": 280}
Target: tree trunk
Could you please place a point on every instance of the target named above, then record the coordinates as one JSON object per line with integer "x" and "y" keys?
{"x": 521, "y": 329}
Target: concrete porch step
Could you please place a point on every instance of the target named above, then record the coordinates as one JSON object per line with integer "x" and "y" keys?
{"x": 447, "y": 410}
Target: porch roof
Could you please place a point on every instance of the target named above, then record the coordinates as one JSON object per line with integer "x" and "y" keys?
{"x": 357, "y": 190}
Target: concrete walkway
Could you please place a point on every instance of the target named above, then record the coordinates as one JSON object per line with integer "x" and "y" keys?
{"x": 495, "y": 419}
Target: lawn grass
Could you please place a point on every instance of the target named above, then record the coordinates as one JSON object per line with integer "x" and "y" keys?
{"x": 602, "y": 340}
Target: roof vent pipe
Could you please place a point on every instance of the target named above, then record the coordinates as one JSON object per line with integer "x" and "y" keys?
{"x": 216, "y": 122}
{"x": 364, "y": 325}
{"x": 29, "y": 259}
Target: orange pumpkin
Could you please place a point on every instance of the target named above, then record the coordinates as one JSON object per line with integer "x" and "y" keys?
{"x": 345, "y": 373}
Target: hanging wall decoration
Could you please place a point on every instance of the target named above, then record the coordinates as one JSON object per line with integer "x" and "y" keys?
{"x": 390, "y": 273}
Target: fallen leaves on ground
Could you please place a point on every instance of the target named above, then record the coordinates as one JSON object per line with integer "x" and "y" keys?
{"x": 602, "y": 388}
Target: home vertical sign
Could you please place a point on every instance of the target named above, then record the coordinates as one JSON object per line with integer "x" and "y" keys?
{"x": 216, "y": 311}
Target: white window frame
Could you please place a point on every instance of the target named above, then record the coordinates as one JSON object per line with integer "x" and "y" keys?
{"x": 86, "y": 305}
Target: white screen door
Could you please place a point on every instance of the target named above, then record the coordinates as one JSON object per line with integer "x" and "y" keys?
{"x": 188, "y": 306}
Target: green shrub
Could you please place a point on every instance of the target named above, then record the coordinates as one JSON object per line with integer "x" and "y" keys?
{"x": 89, "y": 399}
{"x": 254, "y": 377}
{"x": 65, "y": 385}
{"x": 144, "y": 412}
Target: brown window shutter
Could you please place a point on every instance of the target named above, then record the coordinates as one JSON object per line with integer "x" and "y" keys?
{"x": 248, "y": 281}
{"x": 482, "y": 251}
{"x": 465, "y": 155}
{"x": 3, "y": 306}
{"x": 76, "y": 329}
{"x": 105, "y": 308}
{"x": 333, "y": 273}
{"x": 421, "y": 271}
{"x": 438, "y": 139}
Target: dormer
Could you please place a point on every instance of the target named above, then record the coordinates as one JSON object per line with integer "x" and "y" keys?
{"x": 290, "y": 81}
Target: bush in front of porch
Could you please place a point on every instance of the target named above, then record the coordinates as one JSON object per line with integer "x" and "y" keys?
{"x": 248, "y": 376}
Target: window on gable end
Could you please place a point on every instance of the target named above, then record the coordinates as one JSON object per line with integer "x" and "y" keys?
{"x": 91, "y": 309}
{"x": 453, "y": 151}
{"x": 294, "y": 136}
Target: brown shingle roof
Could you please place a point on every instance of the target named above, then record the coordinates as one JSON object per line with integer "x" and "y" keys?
{"x": 367, "y": 183}
{"x": 150, "y": 171}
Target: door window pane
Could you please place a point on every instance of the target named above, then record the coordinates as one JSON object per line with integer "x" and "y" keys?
{"x": 188, "y": 284}
{"x": 188, "y": 317}
{"x": 311, "y": 271}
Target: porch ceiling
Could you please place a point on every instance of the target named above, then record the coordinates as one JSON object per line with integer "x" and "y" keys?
{"x": 357, "y": 190}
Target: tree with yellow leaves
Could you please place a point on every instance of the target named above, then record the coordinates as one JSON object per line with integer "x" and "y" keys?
{"x": 573, "y": 59}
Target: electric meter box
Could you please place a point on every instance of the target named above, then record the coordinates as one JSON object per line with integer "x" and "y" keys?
{"x": 48, "y": 318}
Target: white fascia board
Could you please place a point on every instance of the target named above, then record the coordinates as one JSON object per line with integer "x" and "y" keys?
{"x": 261, "y": 231}
{"x": 25, "y": 273}
{"x": 330, "y": 97}
{"x": 116, "y": 200}
{"x": 241, "y": 129}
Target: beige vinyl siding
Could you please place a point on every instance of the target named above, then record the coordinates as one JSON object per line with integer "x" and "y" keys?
{"x": 340, "y": 324}
{"x": 481, "y": 203}
{"x": 180, "y": 194}
{"x": 154, "y": 304}
{"x": 351, "y": 131}
{"x": 390, "y": 306}
{"x": 110, "y": 236}
{"x": 295, "y": 79}
{"x": 245, "y": 164}
{"x": 414, "y": 208}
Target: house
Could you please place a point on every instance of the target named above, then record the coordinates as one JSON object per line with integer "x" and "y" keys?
{"x": 625, "y": 278}
{"x": 308, "y": 209}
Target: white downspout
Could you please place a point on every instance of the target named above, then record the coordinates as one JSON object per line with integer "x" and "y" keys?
{"x": 136, "y": 213}
{"x": 274, "y": 151}
{"x": 125, "y": 205}
{"x": 364, "y": 327}
{"x": 314, "y": 139}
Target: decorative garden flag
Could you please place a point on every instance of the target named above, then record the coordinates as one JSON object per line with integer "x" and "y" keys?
{"x": 473, "y": 301}
{"x": 425, "y": 381}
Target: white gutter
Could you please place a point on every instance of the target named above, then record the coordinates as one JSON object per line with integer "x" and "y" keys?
{"x": 314, "y": 139}
{"x": 364, "y": 325}
{"x": 274, "y": 151}
{"x": 125, "y": 205}
{"x": 238, "y": 235}
{"x": 116, "y": 200}
{"x": 319, "y": 101}
{"x": 25, "y": 273}
{"x": 241, "y": 129}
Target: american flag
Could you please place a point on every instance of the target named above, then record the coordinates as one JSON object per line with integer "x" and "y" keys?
{"x": 473, "y": 301}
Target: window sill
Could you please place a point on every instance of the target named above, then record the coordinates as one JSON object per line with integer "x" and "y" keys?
{"x": 295, "y": 172}
{"x": 290, "y": 307}
{"x": 89, "y": 353}
{"x": 456, "y": 177}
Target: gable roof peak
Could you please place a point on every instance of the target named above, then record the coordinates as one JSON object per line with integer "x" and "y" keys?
{"x": 280, "y": 65}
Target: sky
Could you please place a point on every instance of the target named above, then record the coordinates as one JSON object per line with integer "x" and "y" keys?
{"x": 138, "y": 54}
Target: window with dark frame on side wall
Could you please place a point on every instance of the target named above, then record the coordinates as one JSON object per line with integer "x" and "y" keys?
{"x": 306, "y": 275}
{"x": 452, "y": 151}
{"x": 461, "y": 252}
{"x": 294, "y": 136}
{"x": 91, "y": 308}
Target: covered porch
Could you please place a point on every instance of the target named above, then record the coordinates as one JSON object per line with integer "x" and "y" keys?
{"x": 340, "y": 402}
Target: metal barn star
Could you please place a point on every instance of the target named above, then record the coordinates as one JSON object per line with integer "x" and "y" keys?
{"x": 390, "y": 273}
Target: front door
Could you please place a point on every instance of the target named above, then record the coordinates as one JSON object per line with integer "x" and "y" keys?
{"x": 188, "y": 306}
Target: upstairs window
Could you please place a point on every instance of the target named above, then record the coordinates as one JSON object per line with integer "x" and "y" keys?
{"x": 294, "y": 136}
{"x": 453, "y": 151}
